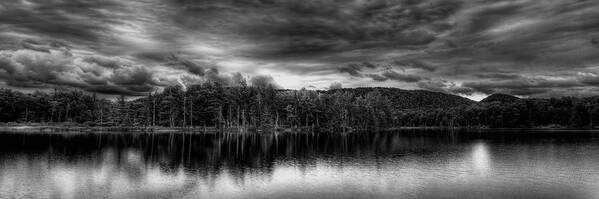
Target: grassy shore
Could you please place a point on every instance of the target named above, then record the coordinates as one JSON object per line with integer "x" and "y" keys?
{"x": 70, "y": 127}
{"x": 37, "y": 127}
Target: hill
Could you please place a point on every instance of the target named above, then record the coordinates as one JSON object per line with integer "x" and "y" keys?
{"x": 499, "y": 97}
{"x": 413, "y": 99}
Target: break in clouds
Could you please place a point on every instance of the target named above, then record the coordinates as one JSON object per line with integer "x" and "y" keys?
{"x": 470, "y": 47}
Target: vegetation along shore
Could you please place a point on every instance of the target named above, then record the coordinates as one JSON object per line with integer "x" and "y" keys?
{"x": 211, "y": 106}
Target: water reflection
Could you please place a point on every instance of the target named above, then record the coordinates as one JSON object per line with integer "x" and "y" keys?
{"x": 480, "y": 158}
{"x": 407, "y": 164}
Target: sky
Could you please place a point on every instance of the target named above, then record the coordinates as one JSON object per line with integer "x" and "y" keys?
{"x": 471, "y": 48}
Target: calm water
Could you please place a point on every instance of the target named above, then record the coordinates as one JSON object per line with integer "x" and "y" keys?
{"x": 406, "y": 164}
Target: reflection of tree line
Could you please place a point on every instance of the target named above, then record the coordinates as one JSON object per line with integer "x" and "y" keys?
{"x": 210, "y": 153}
{"x": 207, "y": 156}
{"x": 251, "y": 150}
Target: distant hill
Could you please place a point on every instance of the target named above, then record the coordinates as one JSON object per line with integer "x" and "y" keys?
{"x": 413, "y": 99}
{"x": 499, "y": 97}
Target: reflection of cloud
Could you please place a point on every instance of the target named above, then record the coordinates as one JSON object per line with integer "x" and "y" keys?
{"x": 65, "y": 180}
{"x": 156, "y": 179}
{"x": 133, "y": 157}
{"x": 481, "y": 162}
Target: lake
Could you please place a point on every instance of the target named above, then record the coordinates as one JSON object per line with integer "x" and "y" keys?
{"x": 395, "y": 164}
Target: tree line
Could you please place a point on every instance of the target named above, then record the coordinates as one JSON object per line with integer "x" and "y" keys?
{"x": 211, "y": 104}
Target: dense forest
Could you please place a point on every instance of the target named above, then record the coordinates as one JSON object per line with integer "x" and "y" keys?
{"x": 213, "y": 105}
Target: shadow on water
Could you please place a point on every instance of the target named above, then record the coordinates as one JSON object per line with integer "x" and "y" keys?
{"x": 443, "y": 156}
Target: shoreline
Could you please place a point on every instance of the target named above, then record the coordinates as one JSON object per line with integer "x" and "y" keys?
{"x": 198, "y": 129}
{"x": 139, "y": 129}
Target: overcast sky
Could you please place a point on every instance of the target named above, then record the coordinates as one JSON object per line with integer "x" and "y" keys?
{"x": 471, "y": 47}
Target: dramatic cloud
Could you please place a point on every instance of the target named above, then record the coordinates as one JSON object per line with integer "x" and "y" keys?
{"x": 28, "y": 68}
{"x": 401, "y": 77}
{"x": 415, "y": 64}
{"x": 351, "y": 69}
{"x": 523, "y": 47}
{"x": 445, "y": 87}
{"x": 377, "y": 77}
{"x": 188, "y": 65}
{"x": 528, "y": 85}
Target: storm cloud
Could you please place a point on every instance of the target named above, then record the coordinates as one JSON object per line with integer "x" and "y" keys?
{"x": 522, "y": 47}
